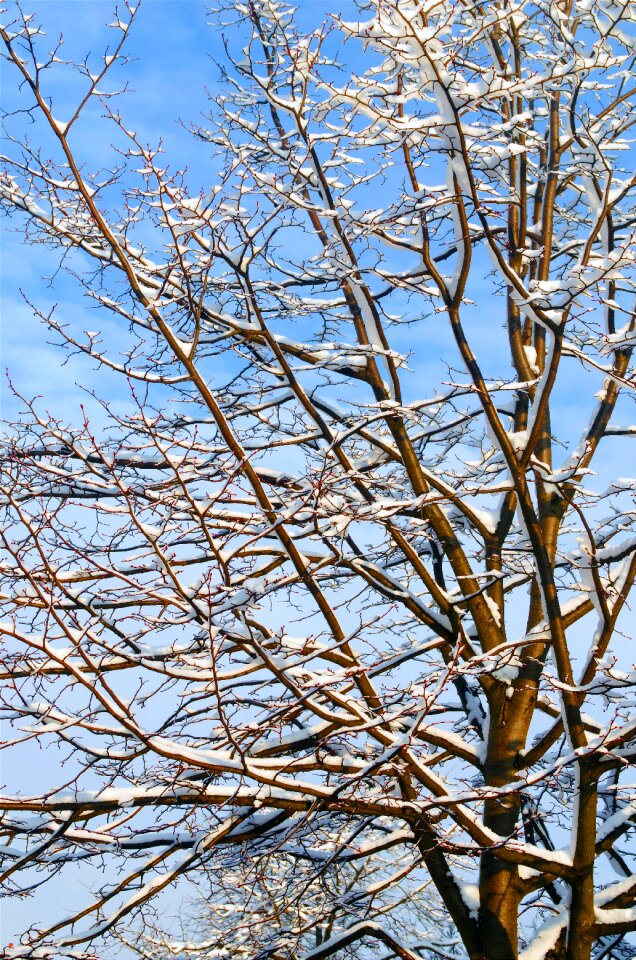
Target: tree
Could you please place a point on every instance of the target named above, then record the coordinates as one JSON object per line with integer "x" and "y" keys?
{"x": 348, "y": 572}
{"x": 283, "y": 904}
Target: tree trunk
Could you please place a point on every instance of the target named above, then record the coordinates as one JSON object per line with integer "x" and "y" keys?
{"x": 499, "y": 890}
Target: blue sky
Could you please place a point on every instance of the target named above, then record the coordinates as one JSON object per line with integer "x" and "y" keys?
{"x": 171, "y": 50}
{"x": 170, "y": 74}
{"x": 165, "y": 84}
{"x": 170, "y": 46}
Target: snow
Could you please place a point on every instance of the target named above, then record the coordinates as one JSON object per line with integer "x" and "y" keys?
{"x": 547, "y": 936}
{"x": 60, "y": 126}
{"x": 152, "y": 533}
{"x": 470, "y": 895}
{"x": 265, "y": 691}
{"x": 494, "y": 609}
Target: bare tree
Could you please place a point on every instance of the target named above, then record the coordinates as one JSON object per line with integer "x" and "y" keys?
{"x": 285, "y": 904}
{"x": 338, "y": 581}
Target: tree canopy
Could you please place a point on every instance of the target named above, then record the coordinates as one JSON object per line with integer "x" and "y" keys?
{"x": 326, "y": 611}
